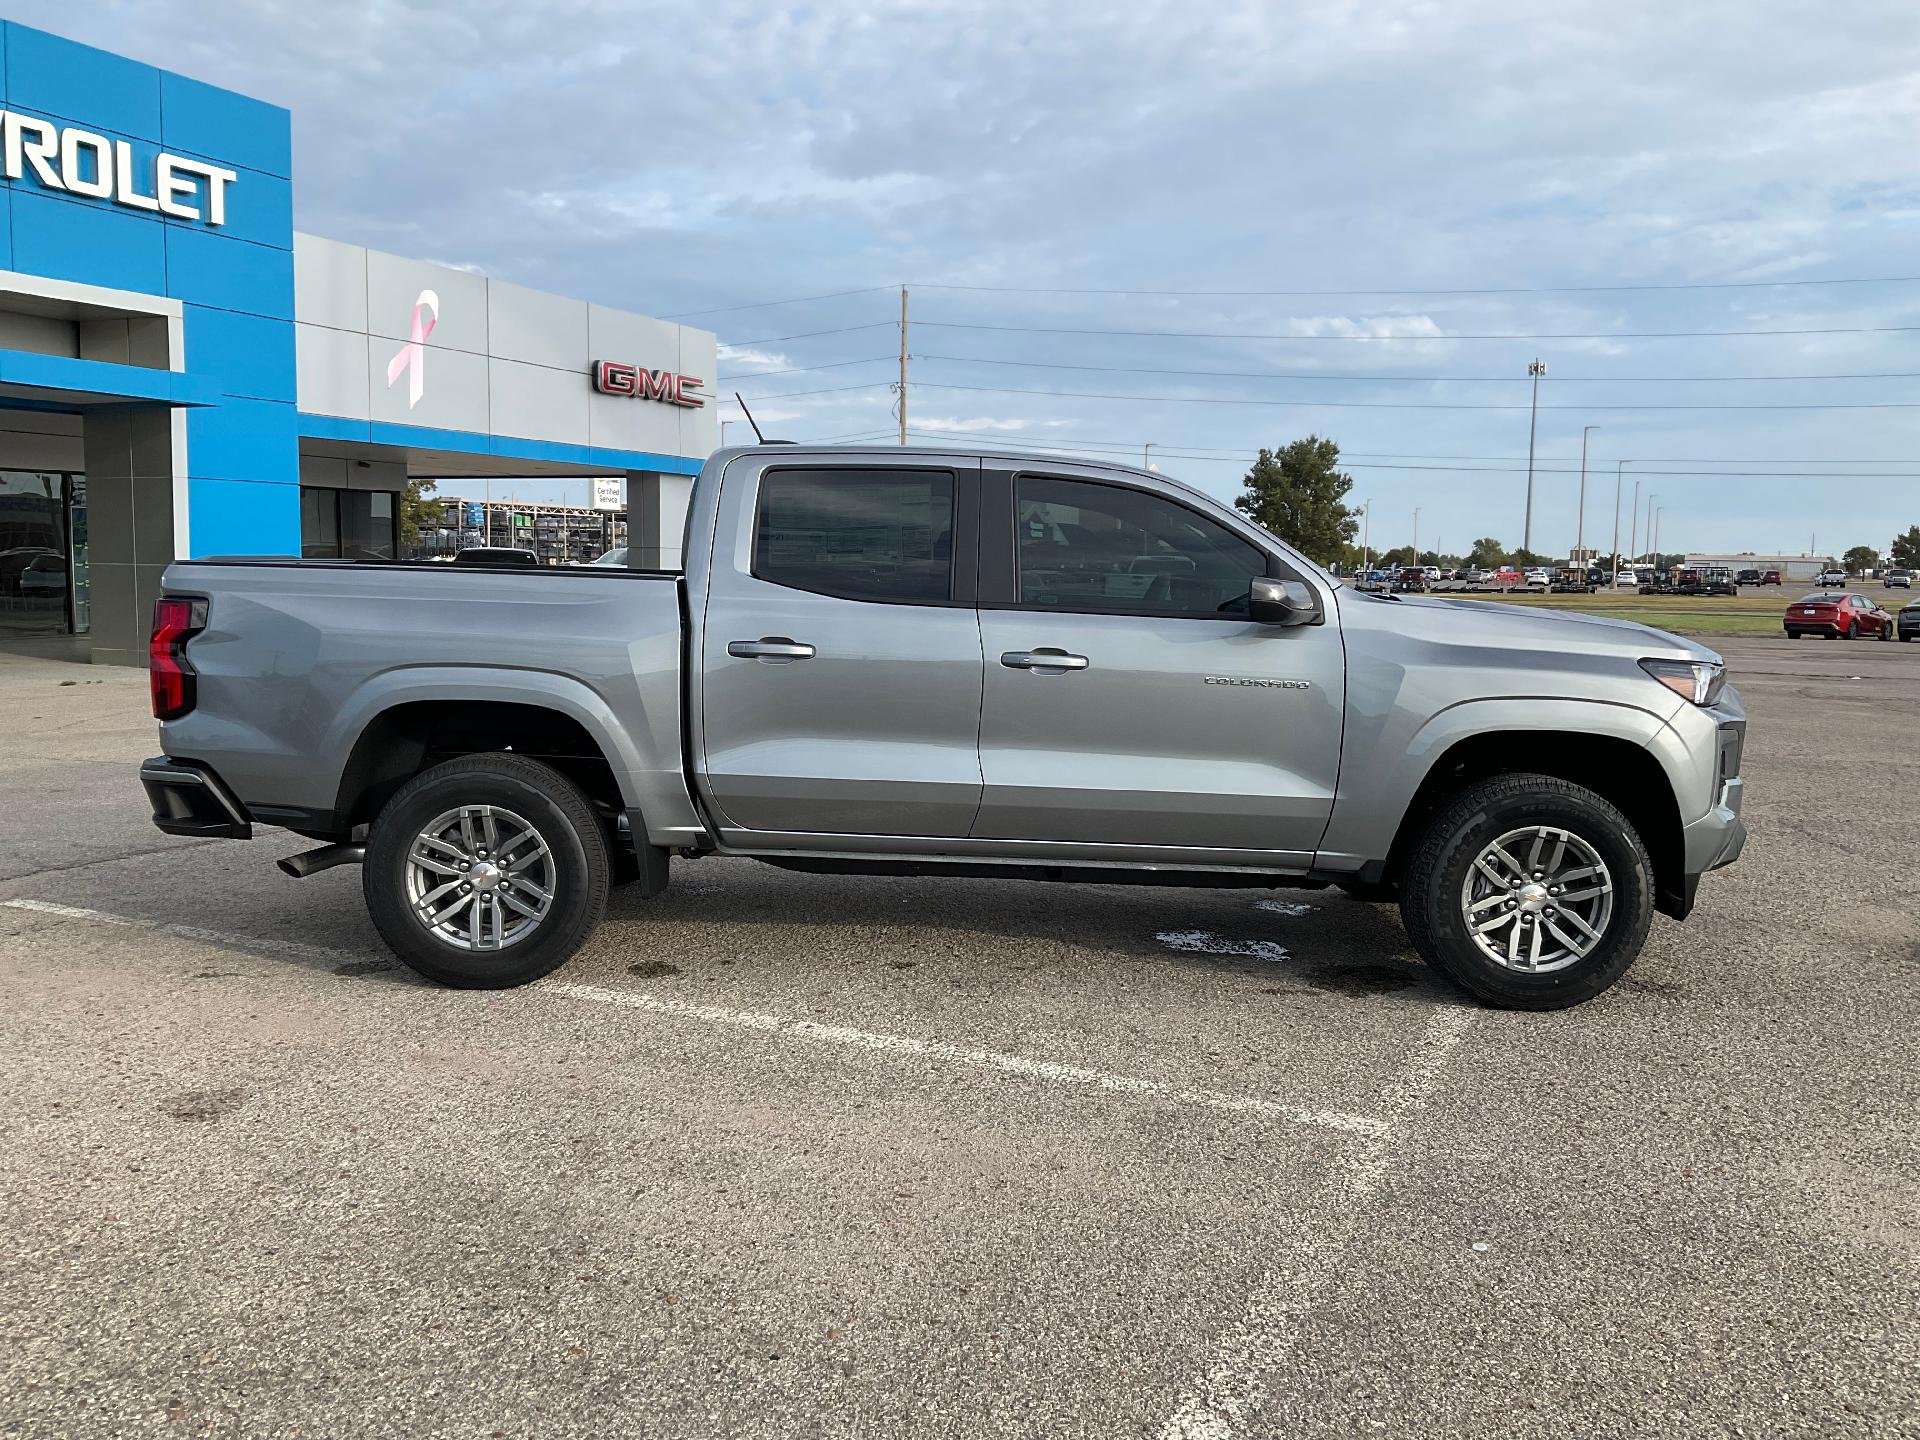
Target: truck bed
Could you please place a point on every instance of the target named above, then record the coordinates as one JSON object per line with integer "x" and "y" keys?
{"x": 299, "y": 656}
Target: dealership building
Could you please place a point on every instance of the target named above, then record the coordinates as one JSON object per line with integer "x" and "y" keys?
{"x": 182, "y": 374}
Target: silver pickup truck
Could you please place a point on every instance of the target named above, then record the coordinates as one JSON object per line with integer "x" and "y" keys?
{"x": 941, "y": 663}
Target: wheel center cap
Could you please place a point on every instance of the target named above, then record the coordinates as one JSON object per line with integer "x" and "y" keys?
{"x": 484, "y": 876}
{"x": 1533, "y": 898}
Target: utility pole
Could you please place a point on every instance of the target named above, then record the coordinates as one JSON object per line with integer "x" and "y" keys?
{"x": 1536, "y": 370}
{"x": 1416, "y": 536}
{"x": 1580, "y": 529}
{"x": 903, "y": 364}
{"x": 1146, "y": 450}
{"x": 1633, "y": 531}
{"x": 1656, "y": 533}
{"x": 1619, "y": 466}
{"x": 1366, "y": 530}
{"x": 1652, "y": 559}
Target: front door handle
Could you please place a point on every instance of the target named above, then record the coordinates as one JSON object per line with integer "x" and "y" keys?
{"x": 1045, "y": 658}
{"x": 773, "y": 649}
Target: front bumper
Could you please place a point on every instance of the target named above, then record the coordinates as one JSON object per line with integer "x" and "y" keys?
{"x": 189, "y": 799}
{"x": 1717, "y": 837}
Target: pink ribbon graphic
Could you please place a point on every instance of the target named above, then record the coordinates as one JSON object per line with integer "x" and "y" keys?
{"x": 411, "y": 360}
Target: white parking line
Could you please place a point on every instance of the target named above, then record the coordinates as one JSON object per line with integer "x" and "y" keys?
{"x": 1368, "y": 1127}
{"x": 186, "y": 932}
{"x": 1234, "y": 1389}
{"x": 1364, "y": 1125}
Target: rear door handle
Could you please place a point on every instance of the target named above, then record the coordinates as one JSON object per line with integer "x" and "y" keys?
{"x": 1045, "y": 658}
{"x": 775, "y": 649}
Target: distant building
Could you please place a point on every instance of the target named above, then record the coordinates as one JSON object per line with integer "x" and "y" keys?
{"x": 1791, "y": 567}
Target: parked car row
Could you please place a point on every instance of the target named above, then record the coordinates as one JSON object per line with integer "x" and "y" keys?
{"x": 1477, "y": 579}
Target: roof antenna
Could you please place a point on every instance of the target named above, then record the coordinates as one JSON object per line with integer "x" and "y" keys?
{"x": 756, "y": 424}
{"x": 750, "y": 420}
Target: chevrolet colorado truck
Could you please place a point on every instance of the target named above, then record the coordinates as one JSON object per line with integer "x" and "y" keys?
{"x": 906, "y": 661}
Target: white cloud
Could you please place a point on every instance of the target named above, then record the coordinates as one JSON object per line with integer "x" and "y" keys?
{"x": 1242, "y": 146}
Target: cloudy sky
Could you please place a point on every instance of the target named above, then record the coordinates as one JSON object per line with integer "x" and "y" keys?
{"x": 1370, "y": 182}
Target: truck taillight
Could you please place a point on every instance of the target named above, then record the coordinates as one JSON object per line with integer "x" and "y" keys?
{"x": 169, "y": 672}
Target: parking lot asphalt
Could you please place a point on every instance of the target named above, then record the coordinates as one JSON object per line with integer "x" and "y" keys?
{"x": 785, "y": 1155}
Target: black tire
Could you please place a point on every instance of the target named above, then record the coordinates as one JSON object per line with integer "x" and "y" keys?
{"x": 1906, "y": 635}
{"x": 564, "y": 820}
{"x": 1437, "y": 871}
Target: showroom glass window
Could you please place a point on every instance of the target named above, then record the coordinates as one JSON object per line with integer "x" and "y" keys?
{"x": 347, "y": 524}
{"x": 859, "y": 534}
{"x": 1104, "y": 548}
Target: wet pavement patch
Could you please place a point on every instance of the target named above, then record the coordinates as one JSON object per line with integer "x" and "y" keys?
{"x": 202, "y": 1104}
{"x": 653, "y": 969}
{"x": 1360, "y": 979}
{"x": 363, "y": 967}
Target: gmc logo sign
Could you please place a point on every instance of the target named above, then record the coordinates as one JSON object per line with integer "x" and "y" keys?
{"x": 610, "y": 377}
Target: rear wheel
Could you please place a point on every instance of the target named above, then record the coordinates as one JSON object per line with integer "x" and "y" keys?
{"x": 1530, "y": 892}
{"x": 486, "y": 872}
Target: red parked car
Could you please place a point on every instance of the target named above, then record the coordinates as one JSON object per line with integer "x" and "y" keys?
{"x": 1838, "y": 616}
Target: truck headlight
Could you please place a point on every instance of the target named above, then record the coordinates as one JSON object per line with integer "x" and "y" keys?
{"x": 1699, "y": 681}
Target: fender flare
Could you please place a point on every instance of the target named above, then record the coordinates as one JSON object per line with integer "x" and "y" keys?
{"x": 545, "y": 689}
{"x": 1371, "y": 806}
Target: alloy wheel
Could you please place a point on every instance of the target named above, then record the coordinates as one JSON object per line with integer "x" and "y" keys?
{"x": 480, "y": 877}
{"x": 1537, "y": 899}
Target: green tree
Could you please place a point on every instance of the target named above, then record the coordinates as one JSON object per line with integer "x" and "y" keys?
{"x": 418, "y": 512}
{"x": 1297, "y": 492}
{"x": 1906, "y": 549}
{"x": 1487, "y": 551}
{"x": 1860, "y": 559}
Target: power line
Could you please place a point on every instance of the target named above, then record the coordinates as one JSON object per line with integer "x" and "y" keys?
{"x": 1122, "y": 447}
{"x": 796, "y": 394}
{"x": 1558, "y": 381}
{"x": 1651, "y": 459}
{"x": 769, "y": 304}
{"x": 1375, "y": 339}
{"x": 808, "y": 335}
{"x": 1398, "y": 404}
{"x": 1439, "y": 290}
{"x": 802, "y": 369}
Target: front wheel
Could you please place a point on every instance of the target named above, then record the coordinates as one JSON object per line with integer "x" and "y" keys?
{"x": 487, "y": 871}
{"x": 1530, "y": 892}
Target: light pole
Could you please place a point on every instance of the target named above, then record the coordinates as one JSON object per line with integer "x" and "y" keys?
{"x": 1146, "y": 450}
{"x": 1416, "y": 537}
{"x": 1619, "y": 466}
{"x": 1652, "y": 495}
{"x": 1580, "y": 528}
{"x": 1536, "y": 370}
{"x": 1366, "y": 531}
{"x": 1656, "y": 535}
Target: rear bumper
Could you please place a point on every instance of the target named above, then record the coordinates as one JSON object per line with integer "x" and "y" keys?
{"x": 189, "y": 799}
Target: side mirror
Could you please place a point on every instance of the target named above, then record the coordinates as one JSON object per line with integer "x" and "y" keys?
{"x": 1282, "y": 602}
